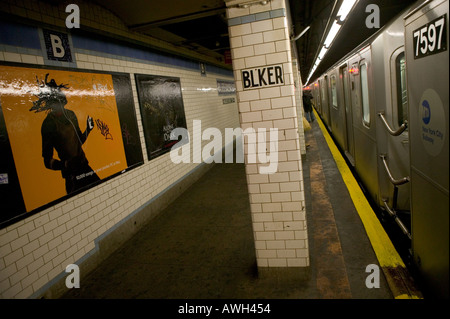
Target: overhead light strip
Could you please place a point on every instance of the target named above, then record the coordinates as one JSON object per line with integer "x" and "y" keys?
{"x": 332, "y": 34}
{"x": 345, "y": 9}
{"x": 342, "y": 14}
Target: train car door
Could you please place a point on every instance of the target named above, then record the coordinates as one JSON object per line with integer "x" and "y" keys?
{"x": 325, "y": 102}
{"x": 363, "y": 112}
{"x": 348, "y": 131}
{"x": 323, "y": 95}
{"x": 319, "y": 97}
{"x": 427, "y": 61}
{"x": 391, "y": 108}
{"x": 317, "y": 104}
{"x": 336, "y": 108}
{"x": 396, "y": 160}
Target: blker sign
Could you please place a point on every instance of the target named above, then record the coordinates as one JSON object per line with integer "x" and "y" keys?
{"x": 267, "y": 76}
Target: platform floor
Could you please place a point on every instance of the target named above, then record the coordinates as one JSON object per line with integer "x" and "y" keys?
{"x": 201, "y": 246}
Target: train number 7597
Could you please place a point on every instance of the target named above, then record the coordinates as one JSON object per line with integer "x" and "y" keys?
{"x": 430, "y": 38}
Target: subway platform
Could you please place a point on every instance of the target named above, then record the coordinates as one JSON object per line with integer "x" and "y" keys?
{"x": 201, "y": 246}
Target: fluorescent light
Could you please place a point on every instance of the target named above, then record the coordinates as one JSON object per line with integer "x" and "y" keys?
{"x": 332, "y": 34}
{"x": 301, "y": 33}
{"x": 345, "y": 9}
{"x": 322, "y": 53}
{"x": 316, "y": 64}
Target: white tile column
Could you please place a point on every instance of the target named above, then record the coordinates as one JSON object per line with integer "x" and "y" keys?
{"x": 262, "y": 64}
{"x": 299, "y": 102}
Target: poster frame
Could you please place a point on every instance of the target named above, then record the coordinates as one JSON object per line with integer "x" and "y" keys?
{"x": 26, "y": 214}
{"x": 145, "y": 126}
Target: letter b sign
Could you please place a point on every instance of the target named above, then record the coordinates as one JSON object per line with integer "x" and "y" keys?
{"x": 57, "y": 46}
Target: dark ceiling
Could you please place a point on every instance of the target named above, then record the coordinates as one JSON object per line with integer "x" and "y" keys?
{"x": 201, "y": 25}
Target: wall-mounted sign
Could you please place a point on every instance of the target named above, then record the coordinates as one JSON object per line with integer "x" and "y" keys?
{"x": 226, "y": 87}
{"x": 61, "y": 132}
{"x": 162, "y": 110}
{"x": 57, "y": 46}
{"x": 228, "y": 100}
{"x": 267, "y": 76}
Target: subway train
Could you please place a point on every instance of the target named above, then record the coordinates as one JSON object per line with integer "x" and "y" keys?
{"x": 386, "y": 106}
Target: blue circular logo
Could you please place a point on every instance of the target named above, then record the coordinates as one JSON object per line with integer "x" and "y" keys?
{"x": 426, "y": 112}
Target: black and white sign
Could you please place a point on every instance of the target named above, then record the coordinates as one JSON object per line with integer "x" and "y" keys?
{"x": 228, "y": 100}
{"x": 57, "y": 46}
{"x": 255, "y": 78}
{"x": 430, "y": 38}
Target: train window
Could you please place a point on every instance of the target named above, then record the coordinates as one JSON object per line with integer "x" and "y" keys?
{"x": 365, "y": 94}
{"x": 333, "y": 91}
{"x": 402, "y": 100}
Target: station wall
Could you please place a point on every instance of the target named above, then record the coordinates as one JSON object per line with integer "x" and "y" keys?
{"x": 83, "y": 229}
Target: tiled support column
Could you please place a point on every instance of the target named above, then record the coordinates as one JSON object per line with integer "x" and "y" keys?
{"x": 259, "y": 40}
{"x": 299, "y": 103}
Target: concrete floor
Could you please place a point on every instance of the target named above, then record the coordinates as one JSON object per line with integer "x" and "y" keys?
{"x": 201, "y": 246}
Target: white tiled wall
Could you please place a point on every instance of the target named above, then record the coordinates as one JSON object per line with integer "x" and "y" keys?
{"x": 35, "y": 250}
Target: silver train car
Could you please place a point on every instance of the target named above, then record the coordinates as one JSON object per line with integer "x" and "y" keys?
{"x": 386, "y": 105}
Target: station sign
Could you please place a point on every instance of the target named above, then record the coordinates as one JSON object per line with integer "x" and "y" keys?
{"x": 57, "y": 46}
{"x": 267, "y": 76}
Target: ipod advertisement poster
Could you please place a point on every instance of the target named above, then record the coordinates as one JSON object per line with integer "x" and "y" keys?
{"x": 61, "y": 132}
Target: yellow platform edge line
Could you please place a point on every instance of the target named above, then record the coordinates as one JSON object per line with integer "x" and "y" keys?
{"x": 385, "y": 251}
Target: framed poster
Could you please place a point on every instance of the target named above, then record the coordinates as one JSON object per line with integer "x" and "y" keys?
{"x": 62, "y": 131}
{"x": 162, "y": 110}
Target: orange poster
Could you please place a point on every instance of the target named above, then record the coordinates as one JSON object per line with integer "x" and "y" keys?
{"x": 63, "y": 128}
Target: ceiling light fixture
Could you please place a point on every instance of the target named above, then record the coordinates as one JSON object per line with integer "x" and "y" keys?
{"x": 301, "y": 33}
{"x": 332, "y": 34}
{"x": 344, "y": 10}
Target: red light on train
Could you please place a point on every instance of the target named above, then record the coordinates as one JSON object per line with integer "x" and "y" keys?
{"x": 353, "y": 70}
